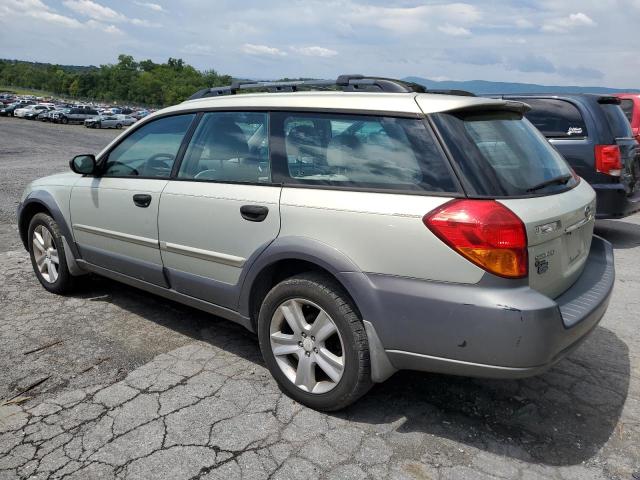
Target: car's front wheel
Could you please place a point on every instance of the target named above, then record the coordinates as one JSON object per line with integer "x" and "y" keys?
{"x": 314, "y": 342}
{"x": 48, "y": 256}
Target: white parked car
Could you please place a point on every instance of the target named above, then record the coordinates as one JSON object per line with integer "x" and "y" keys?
{"x": 356, "y": 232}
{"x": 110, "y": 121}
{"x": 21, "y": 112}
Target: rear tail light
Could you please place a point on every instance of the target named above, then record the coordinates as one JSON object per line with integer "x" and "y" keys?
{"x": 608, "y": 160}
{"x": 485, "y": 232}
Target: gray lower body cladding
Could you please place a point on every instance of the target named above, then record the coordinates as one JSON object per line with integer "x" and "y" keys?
{"x": 473, "y": 330}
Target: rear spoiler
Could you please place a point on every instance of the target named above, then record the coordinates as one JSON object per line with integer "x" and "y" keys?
{"x": 609, "y": 100}
{"x": 503, "y": 105}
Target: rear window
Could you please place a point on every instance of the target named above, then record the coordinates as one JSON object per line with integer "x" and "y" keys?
{"x": 555, "y": 118}
{"x": 502, "y": 155}
{"x": 627, "y": 108}
{"x": 364, "y": 152}
{"x": 620, "y": 126}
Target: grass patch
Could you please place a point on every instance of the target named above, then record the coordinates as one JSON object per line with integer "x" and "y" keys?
{"x": 24, "y": 91}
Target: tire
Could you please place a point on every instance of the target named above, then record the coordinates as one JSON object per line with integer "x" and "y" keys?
{"x": 55, "y": 278}
{"x": 118, "y": 126}
{"x": 64, "y": 120}
{"x": 315, "y": 295}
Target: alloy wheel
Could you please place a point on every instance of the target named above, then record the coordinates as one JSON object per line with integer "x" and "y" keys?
{"x": 45, "y": 254}
{"x": 307, "y": 345}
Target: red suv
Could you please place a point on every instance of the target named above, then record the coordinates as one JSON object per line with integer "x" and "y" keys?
{"x": 630, "y": 103}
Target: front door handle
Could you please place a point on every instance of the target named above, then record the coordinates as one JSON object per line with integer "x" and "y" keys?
{"x": 254, "y": 213}
{"x": 142, "y": 200}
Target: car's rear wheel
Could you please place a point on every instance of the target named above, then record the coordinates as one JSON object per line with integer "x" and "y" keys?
{"x": 48, "y": 256}
{"x": 314, "y": 343}
{"x": 118, "y": 126}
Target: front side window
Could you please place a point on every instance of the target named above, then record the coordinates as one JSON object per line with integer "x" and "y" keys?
{"x": 555, "y": 118}
{"x": 149, "y": 151}
{"x": 229, "y": 147}
{"x": 501, "y": 154}
{"x": 364, "y": 152}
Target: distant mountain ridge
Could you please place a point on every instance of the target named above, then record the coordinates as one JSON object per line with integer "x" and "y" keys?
{"x": 487, "y": 87}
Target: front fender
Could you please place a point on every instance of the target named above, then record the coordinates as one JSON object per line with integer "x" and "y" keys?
{"x": 35, "y": 201}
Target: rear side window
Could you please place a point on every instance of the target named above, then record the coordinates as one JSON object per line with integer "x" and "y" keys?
{"x": 364, "y": 152}
{"x": 555, "y": 118}
{"x": 501, "y": 154}
{"x": 620, "y": 126}
{"x": 229, "y": 147}
{"x": 627, "y": 108}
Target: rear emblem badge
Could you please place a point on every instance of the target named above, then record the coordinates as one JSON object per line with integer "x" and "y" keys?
{"x": 542, "y": 266}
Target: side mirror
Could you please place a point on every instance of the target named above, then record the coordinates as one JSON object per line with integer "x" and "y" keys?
{"x": 83, "y": 164}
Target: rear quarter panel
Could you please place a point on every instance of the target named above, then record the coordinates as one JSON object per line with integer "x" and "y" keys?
{"x": 380, "y": 232}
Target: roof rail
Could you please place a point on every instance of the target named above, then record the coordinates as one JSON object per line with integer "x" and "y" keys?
{"x": 343, "y": 82}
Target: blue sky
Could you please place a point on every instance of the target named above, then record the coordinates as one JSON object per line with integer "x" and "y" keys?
{"x": 577, "y": 42}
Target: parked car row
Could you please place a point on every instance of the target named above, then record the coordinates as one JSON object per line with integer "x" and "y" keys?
{"x": 483, "y": 261}
{"x": 31, "y": 108}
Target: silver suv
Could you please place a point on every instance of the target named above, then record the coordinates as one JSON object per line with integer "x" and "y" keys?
{"x": 358, "y": 231}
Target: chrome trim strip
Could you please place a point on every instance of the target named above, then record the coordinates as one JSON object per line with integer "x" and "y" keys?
{"x": 125, "y": 237}
{"x": 577, "y": 225}
{"x": 208, "y": 255}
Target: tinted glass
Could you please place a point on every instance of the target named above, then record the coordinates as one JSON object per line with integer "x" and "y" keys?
{"x": 149, "y": 151}
{"x": 364, "y": 152}
{"x": 620, "y": 126}
{"x": 555, "y": 118}
{"x": 627, "y": 108}
{"x": 229, "y": 147}
{"x": 502, "y": 154}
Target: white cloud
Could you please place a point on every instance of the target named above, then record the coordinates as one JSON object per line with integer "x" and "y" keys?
{"x": 315, "y": 51}
{"x": 454, "y": 31}
{"x": 101, "y": 13}
{"x": 565, "y": 24}
{"x": 36, "y": 9}
{"x": 409, "y": 20}
{"x": 151, "y": 6}
{"x": 93, "y": 10}
{"x": 262, "y": 50}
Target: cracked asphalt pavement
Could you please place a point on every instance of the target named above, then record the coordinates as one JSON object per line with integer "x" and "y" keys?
{"x": 112, "y": 382}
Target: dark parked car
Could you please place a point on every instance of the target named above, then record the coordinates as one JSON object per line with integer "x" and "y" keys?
{"x": 593, "y": 134}
{"x": 75, "y": 115}
{"x": 8, "y": 111}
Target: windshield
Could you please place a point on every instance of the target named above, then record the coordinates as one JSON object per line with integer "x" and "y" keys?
{"x": 501, "y": 154}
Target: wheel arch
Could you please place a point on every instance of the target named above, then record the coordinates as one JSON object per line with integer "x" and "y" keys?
{"x": 286, "y": 257}
{"x": 41, "y": 201}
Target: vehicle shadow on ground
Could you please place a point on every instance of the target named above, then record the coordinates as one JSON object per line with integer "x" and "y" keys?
{"x": 620, "y": 233}
{"x": 562, "y": 417}
{"x": 559, "y": 418}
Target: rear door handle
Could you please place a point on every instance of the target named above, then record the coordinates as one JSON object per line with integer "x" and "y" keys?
{"x": 142, "y": 200}
{"x": 254, "y": 213}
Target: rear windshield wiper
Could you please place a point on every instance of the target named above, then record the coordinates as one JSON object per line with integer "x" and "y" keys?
{"x": 562, "y": 180}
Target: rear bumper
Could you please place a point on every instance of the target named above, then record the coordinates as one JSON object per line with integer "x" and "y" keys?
{"x": 613, "y": 201}
{"x": 487, "y": 331}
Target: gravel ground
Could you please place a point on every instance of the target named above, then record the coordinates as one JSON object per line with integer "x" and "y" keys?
{"x": 134, "y": 386}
